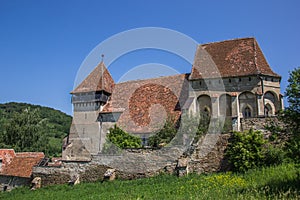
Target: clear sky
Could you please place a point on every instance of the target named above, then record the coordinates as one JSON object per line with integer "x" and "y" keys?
{"x": 43, "y": 43}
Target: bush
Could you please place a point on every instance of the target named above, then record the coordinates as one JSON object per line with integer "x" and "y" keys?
{"x": 164, "y": 135}
{"x": 123, "y": 139}
{"x": 245, "y": 151}
{"x": 274, "y": 155}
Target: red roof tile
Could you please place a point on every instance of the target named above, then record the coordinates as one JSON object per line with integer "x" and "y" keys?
{"x": 238, "y": 57}
{"x": 99, "y": 79}
{"x": 142, "y": 102}
{"x": 19, "y": 164}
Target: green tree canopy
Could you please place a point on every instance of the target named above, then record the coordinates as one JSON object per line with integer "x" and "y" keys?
{"x": 291, "y": 115}
{"x": 292, "y": 112}
{"x": 25, "y": 132}
{"x": 27, "y": 127}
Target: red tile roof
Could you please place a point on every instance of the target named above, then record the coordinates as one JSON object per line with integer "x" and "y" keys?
{"x": 99, "y": 79}
{"x": 142, "y": 102}
{"x": 19, "y": 164}
{"x": 238, "y": 57}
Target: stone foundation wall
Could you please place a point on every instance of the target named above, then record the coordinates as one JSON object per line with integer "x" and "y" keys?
{"x": 259, "y": 123}
{"x": 205, "y": 156}
{"x": 209, "y": 155}
{"x": 7, "y": 183}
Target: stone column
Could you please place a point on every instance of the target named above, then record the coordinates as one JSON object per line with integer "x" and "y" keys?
{"x": 281, "y": 102}
{"x": 260, "y": 105}
{"x": 215, "y": 106}
{"x": 235, "y": 111}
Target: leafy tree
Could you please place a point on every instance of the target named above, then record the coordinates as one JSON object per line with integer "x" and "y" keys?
{"x": 25, "y": 132}
{"x": 123, "y": 139}
{"x": 291, "y": 115}
{"x": 245, "y": 151}
{"x": 292, "y": 112}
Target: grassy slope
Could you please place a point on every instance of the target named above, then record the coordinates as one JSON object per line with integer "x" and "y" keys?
{"x": 281, "y": 182}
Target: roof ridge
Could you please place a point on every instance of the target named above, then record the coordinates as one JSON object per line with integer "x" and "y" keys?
{"x": 255, "y": 57}
{"x": 228, "y": 40}
{"x": 161, "y": 77}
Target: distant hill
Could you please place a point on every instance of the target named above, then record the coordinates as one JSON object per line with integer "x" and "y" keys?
{"x": 58, "y": 123}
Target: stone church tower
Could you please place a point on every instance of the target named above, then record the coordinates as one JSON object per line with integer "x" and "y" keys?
{"x": 88, "y": 99}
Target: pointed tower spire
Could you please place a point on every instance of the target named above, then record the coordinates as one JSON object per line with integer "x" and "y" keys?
{"x": 98, "y": 80}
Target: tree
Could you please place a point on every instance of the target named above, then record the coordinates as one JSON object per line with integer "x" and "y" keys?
{"x": 291, "y": 115}
{"x": 25, "y": 131}
{"x": 292, "y": 112}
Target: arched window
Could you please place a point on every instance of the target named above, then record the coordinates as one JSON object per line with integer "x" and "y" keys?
{"x": 268, "y": 110}
{"x": 272, "y": 101}
{"x": 206, "y": 112}
{"x": 248, "y": 104}
{"x": 225, "y": 105}
{"x": 204, "y": 105}
{"x": 247, "y": 112}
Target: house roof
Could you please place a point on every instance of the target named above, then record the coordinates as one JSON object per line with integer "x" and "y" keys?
{"x": 237, "y": 57}
{"x": 19, "y": 164}
{"x": 142, "y": 102}
{"x": 98, "y": 80}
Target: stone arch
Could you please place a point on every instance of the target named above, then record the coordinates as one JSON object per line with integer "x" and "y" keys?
{"x": 247, "y": 102}
{"x": 206, "y": 111}
{"x": 225, "y": 105}
{"x": 269, "y": 110}
{"x": 204, "y": 105}
{"x": 271, "y": 98}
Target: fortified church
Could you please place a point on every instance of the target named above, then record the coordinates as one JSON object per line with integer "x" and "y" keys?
{"x": 231, "y": 79}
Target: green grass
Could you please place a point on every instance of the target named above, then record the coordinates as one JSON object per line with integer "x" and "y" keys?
{"x": 281, "y": 182}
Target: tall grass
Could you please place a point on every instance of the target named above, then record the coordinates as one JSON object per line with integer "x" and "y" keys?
{"x": 280, "y": 182}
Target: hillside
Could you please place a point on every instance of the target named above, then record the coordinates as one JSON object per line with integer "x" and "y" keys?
{"x": 56, "y": 126}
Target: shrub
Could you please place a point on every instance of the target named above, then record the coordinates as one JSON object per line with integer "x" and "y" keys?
{"x": 190, "y": 127}
{"x": 164, "y": 135}
{"x": 245, "y": 151}
{"x": 123, "y": 139}
{"x": 274, "y": 155}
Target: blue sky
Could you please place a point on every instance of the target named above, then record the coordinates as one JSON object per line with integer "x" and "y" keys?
{"x": 43, "y": 43}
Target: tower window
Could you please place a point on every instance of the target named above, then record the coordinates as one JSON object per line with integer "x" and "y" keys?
{"x": 229, "y": 80}
{"x": 249, "y": 78}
